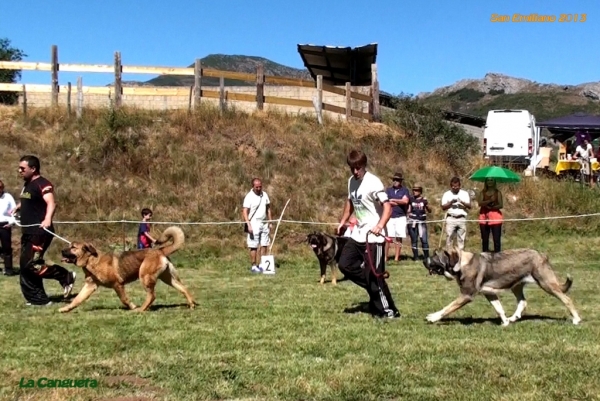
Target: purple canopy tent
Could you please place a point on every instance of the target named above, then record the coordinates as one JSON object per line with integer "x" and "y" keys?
{"x": 562, "y": 128}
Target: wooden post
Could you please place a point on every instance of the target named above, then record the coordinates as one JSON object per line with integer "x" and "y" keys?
{"x": 190, "y": 99}
{"x": 118, "y": 82}
{"x": 319, "y": 105}
{"x": 54, "y": 62}
{"x": 79, "y": 97}
{"x": 24, "y": 102}
{"x": 69, "y": 99}
{"x": 375, "y": 94}
{"x": 222, "y": 94}
{"x": 197, "y": 82}
{"x": 260, "y": 87}
{"x": 348, "y": 101}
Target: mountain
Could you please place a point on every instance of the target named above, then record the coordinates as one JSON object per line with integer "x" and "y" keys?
{"x": 499, "y": 91}
{"x": 236, "y": 63}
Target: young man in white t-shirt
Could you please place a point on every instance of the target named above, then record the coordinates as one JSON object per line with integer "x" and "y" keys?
{"x": 455, "y": 203}
{"x": 257, "y": 209}
{"x": 369, "y": 202}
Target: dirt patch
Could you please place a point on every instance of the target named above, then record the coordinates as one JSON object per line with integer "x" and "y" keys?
{"x": 126, "y": 399}
{"x": 131, "y": 381}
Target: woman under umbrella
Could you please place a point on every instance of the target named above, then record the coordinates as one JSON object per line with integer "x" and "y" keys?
{"x": 490, "y": 215}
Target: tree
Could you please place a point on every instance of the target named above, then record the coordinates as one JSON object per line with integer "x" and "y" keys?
{"x": 9, "y": 53}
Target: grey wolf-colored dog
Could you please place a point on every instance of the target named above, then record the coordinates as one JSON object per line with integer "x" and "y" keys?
{"x": 489, "y": 274}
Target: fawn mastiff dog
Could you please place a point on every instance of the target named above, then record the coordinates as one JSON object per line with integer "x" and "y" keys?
{"x": 115, "y": 270}
{"x": 490, "y": 273}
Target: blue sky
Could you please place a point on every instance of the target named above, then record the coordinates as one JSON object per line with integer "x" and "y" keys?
{"x": 423, "y": 45}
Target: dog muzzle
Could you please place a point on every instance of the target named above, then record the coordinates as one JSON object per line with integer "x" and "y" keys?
{"x": 427, "y": 264}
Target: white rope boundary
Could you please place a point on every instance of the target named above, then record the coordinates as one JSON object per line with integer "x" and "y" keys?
{"x": 217, "y": 223}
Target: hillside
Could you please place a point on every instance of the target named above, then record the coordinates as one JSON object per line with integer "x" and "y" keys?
{"x": 497, "y": 91}
{"x": 197, "y": 168}
{"x": 236, "y": 63}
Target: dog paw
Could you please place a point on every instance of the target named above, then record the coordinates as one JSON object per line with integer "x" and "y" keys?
{"x": 433, "y": 317}
{"x": 576, "y": 320}
{"x": 514, "y": 318}
{"x": 505, "y": 322}
{"x": 63, "y": 310}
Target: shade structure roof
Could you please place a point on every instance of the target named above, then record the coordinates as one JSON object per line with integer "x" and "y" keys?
{"x": 339, "y": 65}
{"x": 564, "y": 127}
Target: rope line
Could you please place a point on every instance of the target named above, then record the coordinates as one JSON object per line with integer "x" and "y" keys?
{"x": 12, "y": 221}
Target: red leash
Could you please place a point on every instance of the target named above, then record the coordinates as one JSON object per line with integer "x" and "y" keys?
{"x": 385, "y": 274}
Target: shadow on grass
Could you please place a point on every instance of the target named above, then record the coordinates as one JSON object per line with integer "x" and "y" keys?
{"x": 467, "y": 321}
{"x": 361, "y": 307}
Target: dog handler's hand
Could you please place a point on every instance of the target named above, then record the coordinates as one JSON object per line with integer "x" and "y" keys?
{"x": 340, "y": 229}
{"x": 376, "y": 230}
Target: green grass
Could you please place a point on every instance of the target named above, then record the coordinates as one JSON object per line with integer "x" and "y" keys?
{"x": 285, "y": 337}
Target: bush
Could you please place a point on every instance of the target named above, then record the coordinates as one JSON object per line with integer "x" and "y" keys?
{"x": 427, "y": 130}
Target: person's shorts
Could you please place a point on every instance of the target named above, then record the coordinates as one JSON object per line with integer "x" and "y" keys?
{"x": 259, "y": 236}
{"x": 586, "y": 167}
{"x": 396, "y": 227}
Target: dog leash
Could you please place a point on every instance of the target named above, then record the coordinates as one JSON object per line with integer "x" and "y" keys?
{"x": 12, "y": 221}
{"x": 379, "y": 276}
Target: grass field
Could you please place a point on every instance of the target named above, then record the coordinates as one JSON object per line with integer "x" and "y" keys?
{"x": 285, "y": 337}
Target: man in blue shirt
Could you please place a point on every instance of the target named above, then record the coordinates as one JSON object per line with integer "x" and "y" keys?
{"x": 396, "y": 226}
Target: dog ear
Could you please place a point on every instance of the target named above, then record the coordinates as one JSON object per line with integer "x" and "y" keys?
{"x": 91, "y": 249}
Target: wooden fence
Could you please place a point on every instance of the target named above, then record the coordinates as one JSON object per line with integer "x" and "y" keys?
{"x": 195, "y": 93}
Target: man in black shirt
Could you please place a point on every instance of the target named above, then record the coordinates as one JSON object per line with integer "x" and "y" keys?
{"x": 36, "y": 208}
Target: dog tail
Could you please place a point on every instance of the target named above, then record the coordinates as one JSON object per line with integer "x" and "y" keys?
{"x": 567, "y": 285}
{"x": 173, "y": 234}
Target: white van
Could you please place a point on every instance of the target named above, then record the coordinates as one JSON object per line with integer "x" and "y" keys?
{"x": 511, "y": 137}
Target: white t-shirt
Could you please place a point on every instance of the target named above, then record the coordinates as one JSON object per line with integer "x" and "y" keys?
{"x": 584, "y": 153}
{"x": 462, "y": 196}
{"x": 367, "y": 196}
{"x": 254, "y": 202}
{"x": 7, "y": 203}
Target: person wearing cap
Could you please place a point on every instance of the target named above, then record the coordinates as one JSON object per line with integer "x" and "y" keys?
{"x": 418, "y": 207}
{"x": 456, "y": 202}
{"x": 396, "y": 226}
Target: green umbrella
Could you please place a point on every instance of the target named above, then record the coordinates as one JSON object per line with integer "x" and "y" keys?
{"x": 500, "y": 174}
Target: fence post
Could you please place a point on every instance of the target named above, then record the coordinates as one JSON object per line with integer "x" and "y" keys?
{"x": 69, "y": 99}
{"x": 118, "y": 82}
{"x": 24, "y": 102}
{"x": 222, "y": 94}
{"x": 197, "y": 82}
{"x": 54, "y": 62}
{"x": 260, "y": 86}
{"x": 375, "y": 93}
{"x": 79, "y": 98}
{"x": 348, "y": 101}
{"x": 319, "y": 100}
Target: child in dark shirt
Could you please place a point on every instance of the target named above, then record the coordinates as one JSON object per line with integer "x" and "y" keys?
{"x": 145, "y": 240}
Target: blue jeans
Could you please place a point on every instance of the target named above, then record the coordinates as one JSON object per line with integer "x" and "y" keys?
{"x": 413, "y": 232}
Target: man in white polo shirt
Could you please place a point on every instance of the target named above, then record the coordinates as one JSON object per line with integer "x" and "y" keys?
{"x": 256, "y": 209}
{"x": 456, "y": 202}
{"x": 369, "y": 202}
{"x": 7, "y": 205}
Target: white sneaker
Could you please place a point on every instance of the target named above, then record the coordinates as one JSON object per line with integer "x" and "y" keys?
{"x": 256, "y": 269}
{"x": 30, "y": 304}
{"x": 69, "y": 287}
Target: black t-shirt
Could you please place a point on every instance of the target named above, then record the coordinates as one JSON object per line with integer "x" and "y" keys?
{"x": 33, "y": 205}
